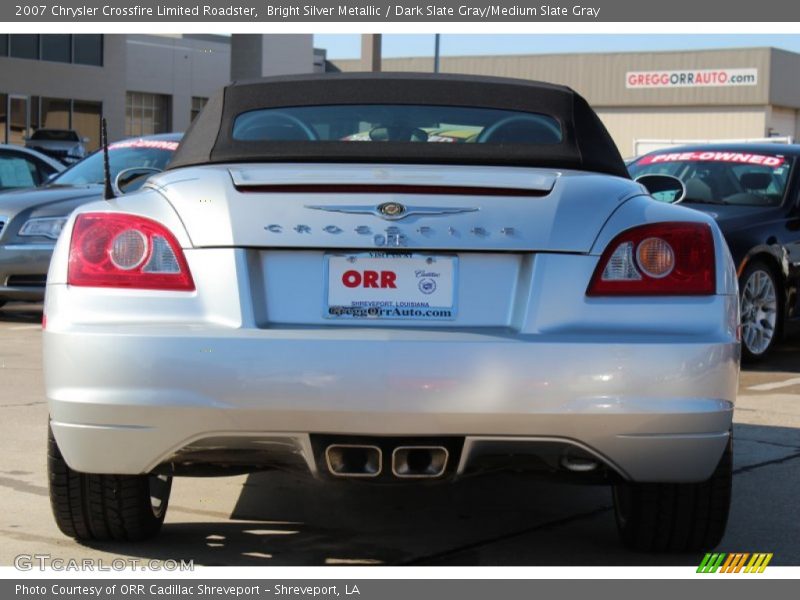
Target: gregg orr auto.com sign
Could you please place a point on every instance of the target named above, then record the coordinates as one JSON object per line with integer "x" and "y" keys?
{"x": 691, "y": 78}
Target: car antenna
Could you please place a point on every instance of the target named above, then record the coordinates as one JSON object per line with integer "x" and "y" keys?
{"x": 108, "y": 194}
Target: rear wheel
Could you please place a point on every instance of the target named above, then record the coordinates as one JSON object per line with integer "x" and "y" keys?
{"x": 105, "y": 507}
{"x": 675, "y": 517}
{"x": 761, "y": 310}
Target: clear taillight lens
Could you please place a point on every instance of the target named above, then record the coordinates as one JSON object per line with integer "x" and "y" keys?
{"x": 126, "y": 251}
{"x": 48, "y": 227}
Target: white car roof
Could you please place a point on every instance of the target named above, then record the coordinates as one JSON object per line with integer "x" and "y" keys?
{"x": 43, "y": 157}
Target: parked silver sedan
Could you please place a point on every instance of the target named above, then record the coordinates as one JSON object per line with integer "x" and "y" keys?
{"x": 64, "y": 145}
{"x": 315, "y": 284}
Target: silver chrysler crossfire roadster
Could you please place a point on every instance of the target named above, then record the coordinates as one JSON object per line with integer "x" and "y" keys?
{"x": 394, "y": 278}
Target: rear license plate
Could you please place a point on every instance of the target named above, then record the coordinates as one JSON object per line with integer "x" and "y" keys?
{"x": 379, "y": 285}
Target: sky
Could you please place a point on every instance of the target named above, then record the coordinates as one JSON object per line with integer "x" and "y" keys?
{"x": 341, "y": 46}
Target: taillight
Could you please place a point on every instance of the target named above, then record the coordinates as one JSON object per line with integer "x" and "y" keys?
{"x": 660, "y": 259}
{"x": 126, "y": 251}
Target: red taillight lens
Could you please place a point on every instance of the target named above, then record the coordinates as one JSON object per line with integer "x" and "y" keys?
{"x": 661, "y": 259}
{"x": 121, "y": 250}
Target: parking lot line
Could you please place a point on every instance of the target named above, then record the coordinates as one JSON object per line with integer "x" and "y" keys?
{"x": 774, "y": 385}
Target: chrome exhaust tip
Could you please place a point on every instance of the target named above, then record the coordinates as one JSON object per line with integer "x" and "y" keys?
{"x": 417, "y": 462}
{"x": 354, "y": 460}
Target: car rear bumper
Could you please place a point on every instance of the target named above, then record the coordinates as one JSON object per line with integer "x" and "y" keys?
{"x": 127, "y": 398}
{"x": 23, "y": 270}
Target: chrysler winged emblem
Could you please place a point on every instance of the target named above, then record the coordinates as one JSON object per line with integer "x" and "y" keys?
{"x": 392, "y": 211}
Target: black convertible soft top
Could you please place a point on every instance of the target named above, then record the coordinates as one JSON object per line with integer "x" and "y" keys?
{"x": 586, "y": 145}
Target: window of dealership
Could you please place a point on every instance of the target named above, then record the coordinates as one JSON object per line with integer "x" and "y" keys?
{"x": 197, "y": 105}
{"x": 20, "y": 116}
{"x": 143, "y": 84}
{"x": 146, "y": 114}
{"x": 84, "y": 49}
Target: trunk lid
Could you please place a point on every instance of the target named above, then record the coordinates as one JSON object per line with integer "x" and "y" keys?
{"x": 432, "y": 207}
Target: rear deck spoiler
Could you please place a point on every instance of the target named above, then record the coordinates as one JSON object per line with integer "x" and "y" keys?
{"x": 393, "y": 179}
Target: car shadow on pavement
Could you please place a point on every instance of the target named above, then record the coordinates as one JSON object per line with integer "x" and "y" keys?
{"x": 496, "y": 519}
{"x": 285, "y": 519}
{"x": 456, "y": 524}
{"x": 784, "y": 359}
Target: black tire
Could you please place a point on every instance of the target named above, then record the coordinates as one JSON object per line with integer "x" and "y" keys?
{"x": 675, "y": 517}
{"x": 91, "y": 507}
{"x": 760, "y": 268}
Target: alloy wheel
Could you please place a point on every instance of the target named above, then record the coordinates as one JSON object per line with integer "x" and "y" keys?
{"x": 759, "y": 311}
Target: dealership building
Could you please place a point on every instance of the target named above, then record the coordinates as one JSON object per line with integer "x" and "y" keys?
{"x": 649, "y": 99}
{"x": 142, "y": 84}
{"x": 147, "y": 84}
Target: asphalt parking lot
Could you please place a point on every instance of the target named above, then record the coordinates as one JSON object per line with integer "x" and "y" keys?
{"x": 276, "y": 519}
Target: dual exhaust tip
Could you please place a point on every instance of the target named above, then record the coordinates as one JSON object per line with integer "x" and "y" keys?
{"x": 407, "y": 462}
{"x": 421, "y": 462}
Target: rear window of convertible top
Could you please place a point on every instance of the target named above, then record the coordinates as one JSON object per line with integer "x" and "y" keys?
{"x": 396, "y": 123}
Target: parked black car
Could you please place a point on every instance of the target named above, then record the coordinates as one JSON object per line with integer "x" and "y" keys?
{"x": 753, "y": 192}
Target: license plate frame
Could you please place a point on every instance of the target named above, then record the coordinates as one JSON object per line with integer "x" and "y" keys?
{"x": 428, "y": 292}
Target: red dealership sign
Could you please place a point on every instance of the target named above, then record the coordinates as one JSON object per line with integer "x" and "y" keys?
{"x": 691, "y": 78}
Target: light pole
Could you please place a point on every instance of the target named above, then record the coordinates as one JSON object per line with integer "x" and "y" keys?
{"x": 436, "y": 41}
{"x": 371, "y": 52}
